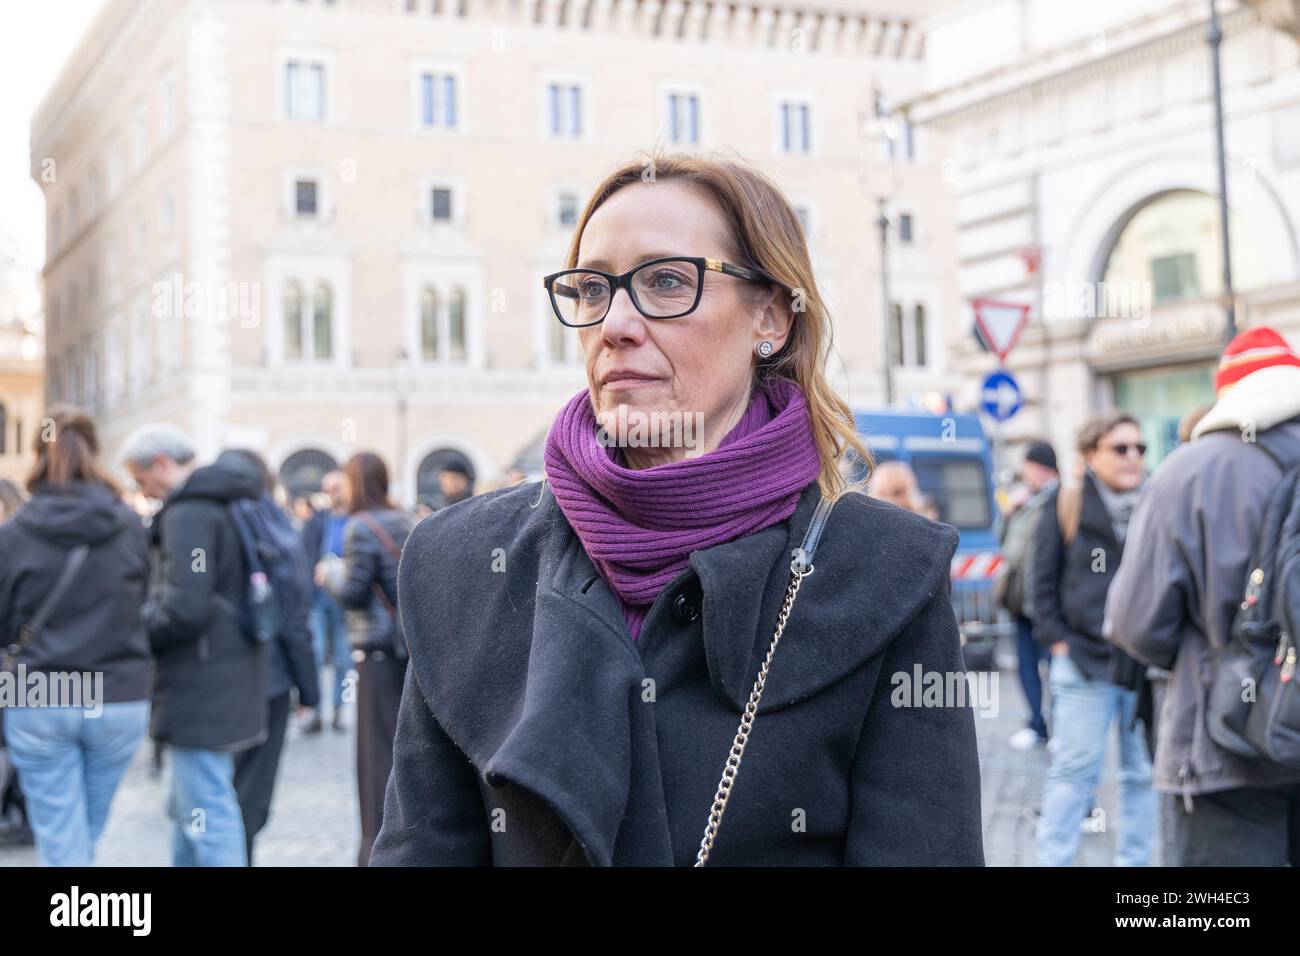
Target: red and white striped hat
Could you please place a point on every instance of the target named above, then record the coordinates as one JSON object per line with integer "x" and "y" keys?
{"x": 1251, "y": 351}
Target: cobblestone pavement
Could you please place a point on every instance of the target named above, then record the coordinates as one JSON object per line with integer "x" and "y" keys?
{"x": 314, "y": 817}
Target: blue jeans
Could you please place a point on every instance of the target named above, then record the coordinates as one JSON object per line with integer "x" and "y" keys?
{"x": 330, "y": 638}
{"x": 69, "y": 766}
{"x": 1082, "y": 713}
{"x": 208, "y": 828}
{"x": 1029, "y": 654}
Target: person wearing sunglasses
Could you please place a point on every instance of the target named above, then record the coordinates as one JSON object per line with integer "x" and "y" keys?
{"x": 583, "y": 649}
{"x": 1078, "y": 544}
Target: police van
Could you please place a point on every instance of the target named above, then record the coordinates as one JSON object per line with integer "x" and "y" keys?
{"x": 953, "y": 462}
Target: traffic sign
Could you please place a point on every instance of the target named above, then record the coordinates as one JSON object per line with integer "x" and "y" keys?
{"x": 1000, "y": 396}
{"x": 999, "y": 324}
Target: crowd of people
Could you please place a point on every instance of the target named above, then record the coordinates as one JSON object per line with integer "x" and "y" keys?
{"x": 211, "y": 619}
{"x": 1127, "y": 585}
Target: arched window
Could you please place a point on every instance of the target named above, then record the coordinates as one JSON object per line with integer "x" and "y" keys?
{"x": 429, "y": 323}
{"x": 292, "y": 320}
{"x": 302, "y": 471}
{"x": 428, "y": 488}
{"x": 322, "y": 320}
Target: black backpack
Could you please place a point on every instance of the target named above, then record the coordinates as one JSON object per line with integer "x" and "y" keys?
{"x": 1253, "y": 707}
{"x": 279, "y": 591}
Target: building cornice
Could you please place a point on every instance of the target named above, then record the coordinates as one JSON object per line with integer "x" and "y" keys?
{"x": 108, "y": 54}
{"x": 1146, "y": 40}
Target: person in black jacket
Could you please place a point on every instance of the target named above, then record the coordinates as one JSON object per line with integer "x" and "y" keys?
{"x": 209, "y": 698}
{"x": 291, "y": 665}
{"x": 71, "y": 754}
{"x": 1077, "y": 547}
{"x": 365, "y": 583}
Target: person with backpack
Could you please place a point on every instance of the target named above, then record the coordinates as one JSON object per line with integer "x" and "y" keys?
{"x": 1187, "y": 574}
{"x": 365, "y": 583}
{"x": 1040, "y": 477}
{"x": 74, "y": 565}
{"x": 210, "y": 680}
{"x": 1077, "y": 547}
{"x": 273, "y": 547}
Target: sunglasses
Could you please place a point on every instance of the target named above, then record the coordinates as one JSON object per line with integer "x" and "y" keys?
{"x": 1123, "y": 448}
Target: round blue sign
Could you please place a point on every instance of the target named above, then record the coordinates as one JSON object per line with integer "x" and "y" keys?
{"x": 1000, "y": 396}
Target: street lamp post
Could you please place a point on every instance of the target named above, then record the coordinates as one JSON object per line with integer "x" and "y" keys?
{"x": 1215, "y": 37}
{"x": 886, "y": 317}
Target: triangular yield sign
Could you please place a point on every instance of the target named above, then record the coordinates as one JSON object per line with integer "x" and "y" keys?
{"x": 999, "y": 324}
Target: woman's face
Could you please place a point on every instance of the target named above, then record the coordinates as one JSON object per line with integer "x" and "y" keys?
{"x": 699, "y": 364}
{"x": 1116, "y": 459}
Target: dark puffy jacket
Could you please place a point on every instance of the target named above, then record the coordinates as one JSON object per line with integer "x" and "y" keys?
{"x": 368, "y": 562}
{"x": 96, "y": 625}
{"x": 1069, "y": 585}
{"x": 211, "y": 680}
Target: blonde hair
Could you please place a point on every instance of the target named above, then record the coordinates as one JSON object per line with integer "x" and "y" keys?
{"x": 765, "y": 234}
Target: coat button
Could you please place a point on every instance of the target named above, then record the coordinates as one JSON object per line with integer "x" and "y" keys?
{"x": 494, "y": 780}
{"x": 684, "y": 609}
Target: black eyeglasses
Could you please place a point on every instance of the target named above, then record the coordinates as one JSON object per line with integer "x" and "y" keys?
{"x": 665, "y": 288}
{"x": 1122, "y": 449}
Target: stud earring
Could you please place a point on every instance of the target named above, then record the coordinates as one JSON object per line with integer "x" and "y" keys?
{"x": 765, "y": 348}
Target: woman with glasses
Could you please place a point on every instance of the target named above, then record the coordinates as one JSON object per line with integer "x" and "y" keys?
{"x": 583, "y": 649}
{"x": 1078, "y": 543}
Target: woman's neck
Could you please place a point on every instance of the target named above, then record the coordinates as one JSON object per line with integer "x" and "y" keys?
{"x": 640, "y": 458}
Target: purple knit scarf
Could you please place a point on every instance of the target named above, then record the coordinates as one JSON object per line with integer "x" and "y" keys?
{"x": 639, "y": 527}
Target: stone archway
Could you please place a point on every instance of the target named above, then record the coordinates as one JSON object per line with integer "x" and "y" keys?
{"x": 302, "y": 471}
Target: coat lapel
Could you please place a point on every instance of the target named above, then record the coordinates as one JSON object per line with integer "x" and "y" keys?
{"x": 846, "y": 612}
{"x": 577, "y": 725}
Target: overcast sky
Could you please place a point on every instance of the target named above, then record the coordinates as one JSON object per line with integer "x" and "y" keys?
{"x": 35, "y": 40}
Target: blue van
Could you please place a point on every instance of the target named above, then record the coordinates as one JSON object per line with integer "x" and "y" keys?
{"x": 953, "y": 462}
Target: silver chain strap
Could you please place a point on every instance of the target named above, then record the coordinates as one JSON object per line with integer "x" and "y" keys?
{"x": 799, "y": 570}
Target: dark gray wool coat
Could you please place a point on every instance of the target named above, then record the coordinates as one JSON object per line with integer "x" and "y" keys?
{"x": 534, "y": 731}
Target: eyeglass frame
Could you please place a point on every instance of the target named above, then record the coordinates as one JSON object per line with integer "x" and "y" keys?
{"x": 702, "y": 264}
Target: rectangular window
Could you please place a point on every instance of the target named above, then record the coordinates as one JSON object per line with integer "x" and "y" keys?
{"x": 567, "y": 215}
{"x": 564, "y": 103}
{"x": 958, "y": 486}
{"x": 905, "y": 228}
{"x": 438, "y": 107}
{"x": 305, "y": 197}
{"x": 305, "y": 90}
{"x": 426, "y": 99}
{"x": 440, "y": 204}
{"x": 684, "y": 118}
{"x": 1174, "y": 277}
{"x": 796, "y": 135}
{"x": 167, "y": 108}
